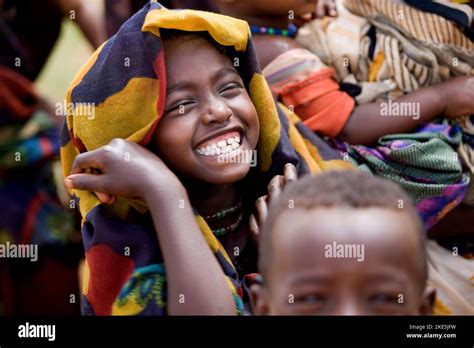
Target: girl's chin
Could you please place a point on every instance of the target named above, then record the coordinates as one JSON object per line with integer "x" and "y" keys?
{"x": 229, "y": 174}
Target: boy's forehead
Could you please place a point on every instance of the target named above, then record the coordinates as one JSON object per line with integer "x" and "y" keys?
{"x": 369, "y": 226}
{"x": 377, "y": 236}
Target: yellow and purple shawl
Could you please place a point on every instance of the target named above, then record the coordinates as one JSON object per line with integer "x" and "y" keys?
{"x": 125, "y": 82}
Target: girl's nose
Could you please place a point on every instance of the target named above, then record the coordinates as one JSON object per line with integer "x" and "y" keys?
{"x": 216, "y": 112}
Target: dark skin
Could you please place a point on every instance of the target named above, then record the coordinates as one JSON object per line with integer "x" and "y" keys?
{"x": 205, "y": 114}
{"x": 274, "y": 189}
{"x": 453, "y": 98}
{"x": 303, "y": 280}
{"x": 203, "y": 84}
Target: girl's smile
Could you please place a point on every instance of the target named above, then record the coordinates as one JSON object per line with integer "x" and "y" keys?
{"x": 210, "y": 120}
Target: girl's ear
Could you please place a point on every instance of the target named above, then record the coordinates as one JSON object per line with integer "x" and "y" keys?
{"x": 427, "y": 301}
{"x": 259, "y": 300}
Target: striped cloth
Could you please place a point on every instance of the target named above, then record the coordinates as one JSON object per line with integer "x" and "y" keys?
{"x": 453, "y": 49}
{"x": 128, "y": 104}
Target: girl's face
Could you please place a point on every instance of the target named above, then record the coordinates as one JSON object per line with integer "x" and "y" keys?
{"x": 210, "y": 125}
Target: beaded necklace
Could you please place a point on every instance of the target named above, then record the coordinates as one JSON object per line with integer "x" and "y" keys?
{"x": 224, "y": 230}
{"x": 223, "y": 213}
{"x": 289, "y": 32}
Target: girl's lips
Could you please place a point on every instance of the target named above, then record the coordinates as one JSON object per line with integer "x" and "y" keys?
{"x": 220, "y": 138}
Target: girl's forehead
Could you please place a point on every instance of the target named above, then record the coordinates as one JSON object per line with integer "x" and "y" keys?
{"x": 193, "y": 54}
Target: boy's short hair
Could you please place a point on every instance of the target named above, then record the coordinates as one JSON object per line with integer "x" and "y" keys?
{"x": 345, "y": 189}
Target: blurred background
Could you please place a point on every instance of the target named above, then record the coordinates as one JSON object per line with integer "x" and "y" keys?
{"x": 43, "y": 44}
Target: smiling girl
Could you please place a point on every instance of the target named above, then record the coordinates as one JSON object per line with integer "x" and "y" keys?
{"x": 167, "y": 229}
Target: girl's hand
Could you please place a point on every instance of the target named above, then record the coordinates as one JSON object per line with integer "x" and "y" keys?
{"x": 458, "y": 96}
{"x": 121, "y": 168}
{"x": 275, "y": 187}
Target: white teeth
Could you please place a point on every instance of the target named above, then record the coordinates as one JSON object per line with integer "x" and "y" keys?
{"x": 221, "y": 147}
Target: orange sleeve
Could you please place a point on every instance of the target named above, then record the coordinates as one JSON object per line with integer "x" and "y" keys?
{"x": 319, "y": 102}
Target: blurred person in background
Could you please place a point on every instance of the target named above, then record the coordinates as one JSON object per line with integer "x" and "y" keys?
{"x": 118, "y": 11}
{"x": 32, "y": 212}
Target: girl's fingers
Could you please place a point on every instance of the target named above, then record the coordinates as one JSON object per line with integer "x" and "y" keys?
{"x": 105, "y": 198}
{"x": 87, "y": 182}
{"x": 275, "y": 187}
{"x": 290, "y": 173}
{"x": 254, "y": 228}
{"x": 262, "y": 210}
{"x": 87, "y": 160}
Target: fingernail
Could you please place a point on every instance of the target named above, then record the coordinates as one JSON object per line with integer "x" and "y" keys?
{"x": 68, "y": 182}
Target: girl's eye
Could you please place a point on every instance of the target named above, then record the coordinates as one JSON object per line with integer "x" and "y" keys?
{"x": 230, "y": 87}
{"x": 179, "y": 106}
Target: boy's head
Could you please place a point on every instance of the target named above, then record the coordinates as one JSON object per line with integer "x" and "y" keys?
{"x": 246, "y": 8}
{"x": 342, "y": 243}
{"x": 209, "y": 120}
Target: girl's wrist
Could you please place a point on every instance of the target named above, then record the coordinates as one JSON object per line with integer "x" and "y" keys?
{"x": 164, "y": 192}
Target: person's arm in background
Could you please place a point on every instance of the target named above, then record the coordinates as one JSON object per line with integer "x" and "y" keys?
{"x": 365, "y": 124}
{"x": 453, "y": 98}
{"x": 89, "y": 18}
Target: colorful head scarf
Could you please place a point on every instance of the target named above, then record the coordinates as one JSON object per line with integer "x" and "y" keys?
{"x": 125, "y": 80}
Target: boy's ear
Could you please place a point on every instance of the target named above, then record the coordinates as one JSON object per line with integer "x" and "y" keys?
{"x": 427, "y": 301}
{"x": 259, "y": 299}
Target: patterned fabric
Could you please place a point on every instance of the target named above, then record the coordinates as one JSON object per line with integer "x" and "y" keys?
{"x": 382, "y": 43}
{"x": 424, "y": 164}
{"x": 380, "y": 47}
{"x": 124, "y": 272}
{"x": 301, "y": 80}
{"x": 458, "y": 13}
{"x": 417, "y": 48}
{"x": 442, "y": 36}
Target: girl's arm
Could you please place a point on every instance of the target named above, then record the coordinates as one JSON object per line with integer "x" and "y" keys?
{"x": 367, "y": 123}
{"x": 197, "y": 284}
